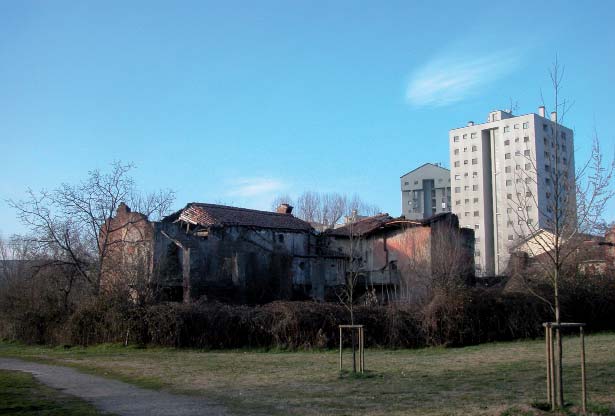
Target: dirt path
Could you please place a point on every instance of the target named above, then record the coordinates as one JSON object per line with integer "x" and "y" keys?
{"x": 114, "y": 396}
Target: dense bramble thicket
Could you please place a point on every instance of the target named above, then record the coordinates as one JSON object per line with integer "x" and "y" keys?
{"x": 467, "y": 317}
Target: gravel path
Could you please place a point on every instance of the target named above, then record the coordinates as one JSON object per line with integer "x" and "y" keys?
{"x": 114, "y": 396}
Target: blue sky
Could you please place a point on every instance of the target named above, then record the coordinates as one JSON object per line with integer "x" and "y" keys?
{"x": 239, "y": 101}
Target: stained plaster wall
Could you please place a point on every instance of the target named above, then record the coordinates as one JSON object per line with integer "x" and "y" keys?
{"x": 386, "y": 254}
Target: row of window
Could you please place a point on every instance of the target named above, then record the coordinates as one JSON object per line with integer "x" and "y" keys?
{"x": 465, "y": 149}
{"x": 528, "y": 208}
{"x": 526, "y": 139}
{"x": 465, "y": 188}
{"x": 519, "y": 194}
{"x": 553, "y": 146}
{"x": 509, "y": 182}
{"x": 457, "y": 163}
{"x": 465, "y": 175}
{"x": 417, "y": 182}
{"x": 419, "y": 192}
{"x": 550, "y": 156}
{"x": 508, "y": 169}
{"x": 547, "y": 129}
{"x": 465, "y": 136}
{"x": 417, "y": 202}
{"x": 526, "y": 126}
{"x": 466, "y": 201}
{"x": 467, "y": 214}
{"x": 526, "y": 152}
{"x": 528, "y": 221}
{"x": 476, "y": 227}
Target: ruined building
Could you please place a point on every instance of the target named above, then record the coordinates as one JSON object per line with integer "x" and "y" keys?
{"x": 583, "y": 256}
{"x": 244, "y": 255}
{"x": 402, "y": 259}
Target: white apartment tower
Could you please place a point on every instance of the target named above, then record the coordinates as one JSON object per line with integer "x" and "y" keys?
{"x": 500, "y": 168}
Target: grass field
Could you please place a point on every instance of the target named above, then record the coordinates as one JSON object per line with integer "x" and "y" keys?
{"x": 21, "y": 394}
{"x": 489, "y": 379}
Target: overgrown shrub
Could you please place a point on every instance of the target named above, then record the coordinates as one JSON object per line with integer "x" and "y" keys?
{"x": 456, "y": 318}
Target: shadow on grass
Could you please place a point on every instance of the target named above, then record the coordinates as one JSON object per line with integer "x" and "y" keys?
{"x": 367, "y": 374}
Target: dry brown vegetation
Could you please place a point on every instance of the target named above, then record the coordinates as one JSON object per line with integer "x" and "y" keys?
{"x": 489, "y": 379}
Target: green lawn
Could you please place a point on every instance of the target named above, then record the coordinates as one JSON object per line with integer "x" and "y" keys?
{"x": 489, "y": 379}
{"x": 21, "y": 394}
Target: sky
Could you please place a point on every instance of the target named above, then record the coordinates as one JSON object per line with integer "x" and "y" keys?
{"x": 237, "y": 102}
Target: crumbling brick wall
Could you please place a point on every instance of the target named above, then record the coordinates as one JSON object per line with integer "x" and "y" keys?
{"x": 126, "y": 241}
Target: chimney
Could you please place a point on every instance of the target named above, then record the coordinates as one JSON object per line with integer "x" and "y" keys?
{"x": 470, "y": 123}
{"x": 541, "y": 111}
{"x": 284, "y": 209}
{"x": 554, "y": 116}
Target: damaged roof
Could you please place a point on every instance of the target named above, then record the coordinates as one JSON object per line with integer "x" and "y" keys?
{"x": 362, "y": 226}
{"x": 371, "y": 224}
{"x": 211, "y": 215}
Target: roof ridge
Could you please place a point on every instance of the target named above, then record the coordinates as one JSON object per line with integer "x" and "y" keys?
{"x": 208, "y": 205}
{"x": 423, "y": 165}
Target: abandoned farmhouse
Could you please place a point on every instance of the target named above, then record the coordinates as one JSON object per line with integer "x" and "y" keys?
{"x": 244, "y": 255}
{"x": 466, "y": 222}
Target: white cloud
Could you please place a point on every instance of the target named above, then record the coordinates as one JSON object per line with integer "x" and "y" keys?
{"x": 453, "y": 77}
{"x": 254, "y": 187}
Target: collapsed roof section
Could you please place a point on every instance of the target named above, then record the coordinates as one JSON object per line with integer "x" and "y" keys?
{"x": 370, "y": 225}
{"x": 212, "y": 215}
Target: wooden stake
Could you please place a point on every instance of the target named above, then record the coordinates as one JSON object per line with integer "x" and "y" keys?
{"x": 583, "y": 379}
{"x": 340, "y": 349}
{"x": 362, "y": 350}
{"x": 552, "y": 364}
{"x": 548, "y": 360}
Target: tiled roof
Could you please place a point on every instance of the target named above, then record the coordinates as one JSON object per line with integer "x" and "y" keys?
{"x": 211, "y": 215}
{"x": 362, "y": 226}
{"x": 584, "y": 247}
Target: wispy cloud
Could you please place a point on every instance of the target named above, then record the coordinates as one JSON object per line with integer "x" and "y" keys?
{"x": 453, "y": 77}
{"x": 253, "y": 187}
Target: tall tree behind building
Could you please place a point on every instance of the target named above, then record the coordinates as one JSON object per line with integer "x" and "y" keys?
{"x": 327, "y": 208}
{"x": 65, "y": 223}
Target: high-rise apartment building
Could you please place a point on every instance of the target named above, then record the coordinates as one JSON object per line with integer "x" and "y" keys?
{"x": 501, "y": 169}
{"x": 425, "y": 191}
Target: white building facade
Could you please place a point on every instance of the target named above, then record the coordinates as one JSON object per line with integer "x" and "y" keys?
{"x": 425, "y": 192}
{"x": 502, "y": 178}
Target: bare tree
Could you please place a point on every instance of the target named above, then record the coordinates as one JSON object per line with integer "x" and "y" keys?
{"x": 360, "y": 207}
{"x": 551, "y": 224}
{"x": 66, "y": 223}
{"x": 353, "y": 271}
{"x": 308, "y": 205}
{"x": 332, "y": 208}
{"x": 329, "y": 208}
{"x": 352, "y": 274}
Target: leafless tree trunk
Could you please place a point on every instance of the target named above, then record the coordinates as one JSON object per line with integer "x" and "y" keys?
{"x": 351, "y": 278}
{"x": 575, "y": 204}
{"x": 66, "y": 223}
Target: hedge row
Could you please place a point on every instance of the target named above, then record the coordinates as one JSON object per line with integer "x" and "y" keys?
{"x": 463, "y": 318}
